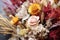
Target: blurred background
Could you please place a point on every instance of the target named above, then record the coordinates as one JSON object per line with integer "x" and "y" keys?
{"x": 2, "y": 5}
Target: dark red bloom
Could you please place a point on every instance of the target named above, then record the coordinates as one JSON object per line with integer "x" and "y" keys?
{"x": 55, "y": 32}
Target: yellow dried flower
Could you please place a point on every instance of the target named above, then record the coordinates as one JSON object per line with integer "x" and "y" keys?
{"x": 23, "y": 32}
{"x": 34, "y": 8}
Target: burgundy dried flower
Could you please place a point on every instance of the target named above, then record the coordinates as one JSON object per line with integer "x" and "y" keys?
{"x": 51, "y": 13}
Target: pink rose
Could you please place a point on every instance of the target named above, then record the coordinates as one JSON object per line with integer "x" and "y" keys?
{"x": 33, "y": 20}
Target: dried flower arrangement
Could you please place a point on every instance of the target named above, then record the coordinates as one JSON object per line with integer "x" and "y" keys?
{"x": 33, "y": 20}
